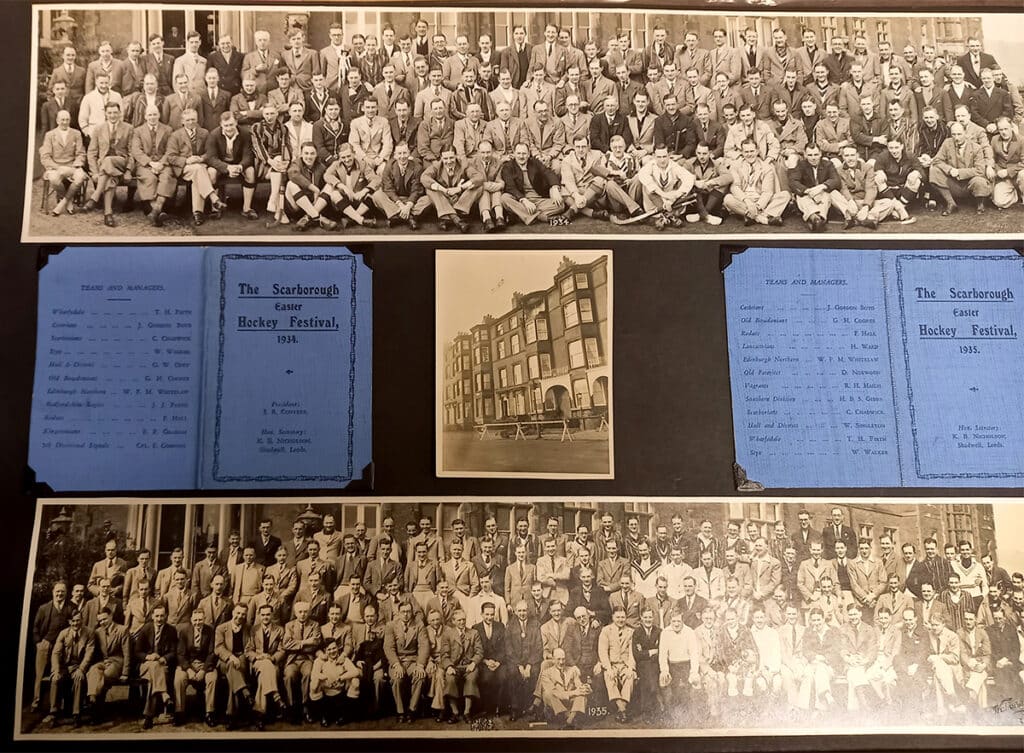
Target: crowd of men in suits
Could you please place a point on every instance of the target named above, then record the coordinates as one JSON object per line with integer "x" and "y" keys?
{"x": 411, "y": 125}
{"x": 684, "y": 628}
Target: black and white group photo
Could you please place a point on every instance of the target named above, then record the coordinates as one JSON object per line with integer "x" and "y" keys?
{"x": 162, "y": 121}
{"x": 524, "y": 364}
{"x": 595, "y": 615}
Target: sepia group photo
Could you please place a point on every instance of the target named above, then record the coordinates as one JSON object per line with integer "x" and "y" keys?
{"x": 595, "y": 615}
{"x": 166, "y": 121}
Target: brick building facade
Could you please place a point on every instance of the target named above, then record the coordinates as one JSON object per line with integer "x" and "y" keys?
{"x": 546, "y": 358}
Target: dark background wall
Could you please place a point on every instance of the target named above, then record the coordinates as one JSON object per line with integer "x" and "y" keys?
{"x": 672, "y": 408}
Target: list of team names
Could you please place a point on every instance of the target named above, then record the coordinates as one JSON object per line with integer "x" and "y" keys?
{"x": 289, "y": 313}
{"x": 815, "y": 372}
{"x": 120, "y": 373}
{"x": 973, "y": 331}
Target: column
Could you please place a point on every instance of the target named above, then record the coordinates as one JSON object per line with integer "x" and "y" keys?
{"x": 244, "y": 524}
{"x": 223, "y": 523}
{"x": 152, "y": 529}
{"x": 188, "y": 535}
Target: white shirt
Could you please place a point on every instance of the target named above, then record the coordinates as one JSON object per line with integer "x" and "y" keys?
{"x": 678, "y": 647}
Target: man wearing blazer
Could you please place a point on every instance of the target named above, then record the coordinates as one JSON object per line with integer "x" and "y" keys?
{"x": 516, "y": 57}
{"x": 58, "y": 100}
{"x": 227, "y": 60}
{"x": 231, "y": 640}
{"x": 70, "y": 73}
{"x": 111, "y": 657}
{"x": 216, "y": 607}
{"x": 69, "y": 662}
{"x": 191, "y": 63}
{"x": 835, "y": 531}
{"x": 494, "y": 666}
{"x": 63, "y": 158}
{"x": 158, "y": 64}
{"x": 461, "y": 657}
{"x": 974, "y": 61}
{"x": 401, "y": 196}
{"x": 213, "y": 101}
{"x": 149, "y": 145}
{"x": 105, "y": 63}
{"x": 407, "y": 650}
{"x": 110, "y": 160}
{"x": 265, "y": 654}
{"x": 301, "y": 61}
{"x": 196, "y": 666}
{"x": 550, "y": 56}
{"x": 156, "y": 655}
{"x": 990, "y": 103}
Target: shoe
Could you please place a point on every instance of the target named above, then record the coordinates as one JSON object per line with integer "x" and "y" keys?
{"x": 71, "y": 208}
{"x": 76, "y": 720}
{"x": 260, "y": 724}
{"x": 325, "y": 722}
{"x": 660, "y": 223}
{"x": 231, "y": 723}
{"x": 147, "y": 722}
{"x": 748, "y": 221}
{"x": 693, "y": 217}
{"x": 950, "y": 209}
{"x": 488, "y": 226}
{"x": 413, "y": 225}
{"x": 500, "y": 222}
{"x": 211, "y": 721}
{"x": 851, "y": 222}
{"x": 250, "y": 214}
{"x": 179, "y": 720}
{"x": 217, "y": 211}
{"x": 980, "y": 209}
{"x": 198, "y": 218}
{"x": 462, "y": 225}
{"x": 908, "y": 221}
{"x": 56, "y": 211}
{"x": 89, "y": 205}
{"x": 713, "y": 219}
{"x": 637, "y": 212}
{"x": 775, "y": 221}
{"x": 301, "y": 225}
{"x": 108, "y": 220}
{"x": 370, "y": 222}
{"x": 600, "y": 214}
{"x": 454, "y": 719}
{"x": 34, "y": 706}
{"x": 678, "y": 221}
{"x": 513, "y": 715}
{"x": 327, "y": 224}
{"x": 386, "y": 223}
{"x": 444, "y": 225}
{"x": 931, "y": 205}
{"x": 870, "y": 224}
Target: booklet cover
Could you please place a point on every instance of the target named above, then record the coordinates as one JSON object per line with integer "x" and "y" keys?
{"x": 202, "y": 368}
{"x": 874, "y": 368}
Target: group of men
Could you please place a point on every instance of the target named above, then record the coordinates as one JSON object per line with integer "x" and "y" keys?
{"x": 682, "y": 628}
{"x": 396, "y": 129}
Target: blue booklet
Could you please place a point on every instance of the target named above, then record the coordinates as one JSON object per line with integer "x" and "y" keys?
{"x": 855, "y": 368}
{"x": 202, "y": 368}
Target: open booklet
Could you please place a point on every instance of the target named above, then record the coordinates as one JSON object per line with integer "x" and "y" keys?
{"x": 855, "y": 368}
{"x": 202, "y": 368}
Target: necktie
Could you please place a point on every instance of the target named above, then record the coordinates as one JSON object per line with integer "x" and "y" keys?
{"x": 793, "y": 629}
{"x": 198, "y": 638}
{"x": 549, "y": 49}
{"x": 522, "y": 575}
{"x": 390, "y": 90}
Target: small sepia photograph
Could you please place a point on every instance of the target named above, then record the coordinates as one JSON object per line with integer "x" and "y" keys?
{"x": 524, "y": 364}
{"x": 232, "y": 122}
{"x": 519, "y": 617}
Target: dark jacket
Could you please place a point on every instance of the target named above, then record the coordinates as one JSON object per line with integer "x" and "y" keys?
{"x": 541, "y": 178}
{"x": 187, "y": 651}
{"x": 218, "y": 157}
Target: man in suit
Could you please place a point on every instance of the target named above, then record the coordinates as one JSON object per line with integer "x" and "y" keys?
{"x": 525, "y": 649}
{"x": 812, "y": 181}
{"x": 301, "y": 641}
{"x": 911, "y": 572}
{"x": 191, "y": 63}
{"x": 62, "y": 156}
{"x": 407, "y": 650}
{"x": 139, "y": 609}
{"x": 111, "y": 659}
{"x": 958, "y": 171}
{"x": 156, "y": 655}
{"x": 461, "y": 657}
{"x": 549, "y": 56}
{"x": 725, "y": 59}
{"x": 214, "y": 101}
{"x": 231, "y": 639}
{"x": 645, "y": 644}
{"x": 459, "y": 573}
{"x": 944, "y": 661}
{"x": 835, "y": 531}
{"x": 58, "y": 100}
{"x": 265, "y": 655}
{"x": 248, "y": 578}
{"x": 110, "y": 160}
{"x": 156, "y": 63}
{"x": 334, "y": 58}
{"x": 989, "y": 103}
{"x": 287, "y": 579}
{"x": 260, "y": 63}
{"x": 203, "y": 573}
{"x": 516, "y": 57}
{"x": 196, "y": 666}
{"x": 70, "y": 73}
{"x": 691, "y": 605}
{"x": 559, "y": 630}
{"x": 494, "y": 666}
{"x": 247, "y": 105}
{"x": 270, "y": 596}
{"x": 227, "y": 61}
{"x": 50, "y": 620}
{"x": 176, "y": 104}
{"x": 217, "y": 605}
{"x": 400, "y": 195}
{"x": 586, "y": 594}
{"x": 300, "y": 61}
{"x": 553, "y": 572}
{"x": 265, "y": 544}
{"x": 70, "y": 659}
{"x": 186, "y": 157}
{"x": 103, "y": 600}
{"x": 753, "y": 194}
{"x": 382, "y": 570}
{"x": 974, "y": 61}
{"x": 618, "y": 665}
{"x": 691, "y": 56}
{"x": 562, "y": 690}
{"x": 447, "y": 183}
{"x": 148, "y": 148}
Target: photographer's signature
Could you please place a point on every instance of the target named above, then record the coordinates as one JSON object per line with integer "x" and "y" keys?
{"x": 1013, "y": 706}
